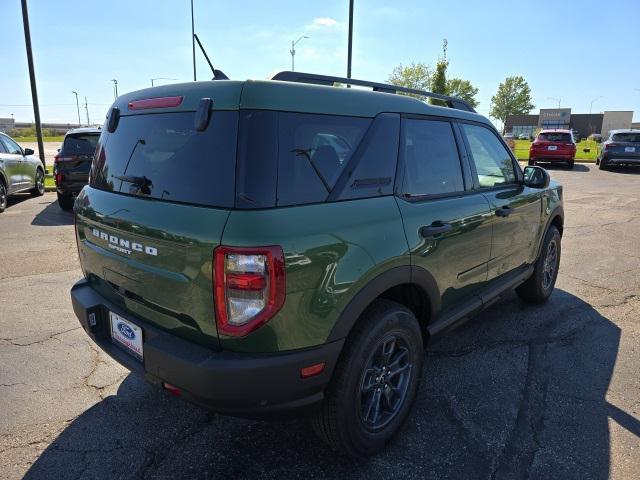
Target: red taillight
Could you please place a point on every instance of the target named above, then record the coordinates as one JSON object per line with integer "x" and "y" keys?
{"x": 249, "y": 287}
{"x": 58, "y": 178}
{"x": 158, "y": 102}
{"x": 172, "y": 389}
{"x": 610, "y": 145}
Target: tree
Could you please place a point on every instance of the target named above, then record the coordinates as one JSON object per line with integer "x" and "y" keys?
{"x": 416, "y": 76}
{"x": 512, "y": 98}
{"x": 457, "y": 87}
{"x": 439, "y": 80}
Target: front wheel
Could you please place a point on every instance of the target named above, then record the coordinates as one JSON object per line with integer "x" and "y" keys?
{"x": 375, "y": 381}
{"x": 38, "y": 189}
{"x": 539, "y": 286}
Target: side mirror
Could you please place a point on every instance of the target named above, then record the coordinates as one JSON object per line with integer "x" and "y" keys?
{"x": 536, "y": 177}
{"x": 28, "y": 151}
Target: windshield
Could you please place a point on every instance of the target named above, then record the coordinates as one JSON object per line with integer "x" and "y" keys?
{"x": 556, "y": 137}
{"x": 626, "y": 137}
{"x": 162, "y": 156}
{"x": 81, "y": 144}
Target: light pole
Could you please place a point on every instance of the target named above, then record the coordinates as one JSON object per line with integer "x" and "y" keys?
{"x": 590, "y": 108}
{"x": 293, "y": 51}
{"x": 555, "y": 99}
{"x": 161, "y": 78}
{"x": 115, "y": 88}
{"x": 193, "y": 43}
{"x": 86, "y": 109}
{"x": 350, "y": 39}
{"x": 77, "y": 106}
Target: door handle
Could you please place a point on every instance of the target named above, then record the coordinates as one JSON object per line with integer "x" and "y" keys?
{"x": 436, "y": 228}
{"x": 504, "y": 211}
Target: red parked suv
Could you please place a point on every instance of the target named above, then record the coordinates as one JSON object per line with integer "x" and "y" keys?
{"x": 553, "y": 146}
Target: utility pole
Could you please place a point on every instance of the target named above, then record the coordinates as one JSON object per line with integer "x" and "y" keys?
{"x": 193, "y": 43}
{"x": 86, "y": 109}
{"x": 32, "y": 79}
{"x": 349, "y": 48}
{"x": 115, "y": 88}
{"x": 77, "y": 106}
{"x": 293, "y": 51}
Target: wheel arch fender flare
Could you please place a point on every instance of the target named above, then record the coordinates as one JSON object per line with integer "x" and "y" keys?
{"x": 372, "y": 290}
{"x": 558, "y": 212}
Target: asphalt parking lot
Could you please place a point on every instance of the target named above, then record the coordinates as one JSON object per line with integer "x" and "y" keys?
{"x": 520, "y": 392}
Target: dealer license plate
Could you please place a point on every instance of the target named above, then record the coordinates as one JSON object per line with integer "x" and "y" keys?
{"x": 127, "y": 335}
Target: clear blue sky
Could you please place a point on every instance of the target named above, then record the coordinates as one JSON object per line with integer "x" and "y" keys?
{"x": 573, "y": 51}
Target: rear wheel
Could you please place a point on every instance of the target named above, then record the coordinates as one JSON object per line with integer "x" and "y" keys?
{"x": 65, "y": 201}
{"x": 532, "y": 163}
{"x": 375, "y": 381}
{"x": 539, "y": 286}
{"x": 571, "y": 163}
{"x": 603, "y": 164}
{"x": 3, "y": 197}
{"x": 38, "y": 190}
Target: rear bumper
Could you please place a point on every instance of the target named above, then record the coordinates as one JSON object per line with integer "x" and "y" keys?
{"x": 227, "y": 382}
{"x": 614, "y": 158}
{"x": 552, "y": 158}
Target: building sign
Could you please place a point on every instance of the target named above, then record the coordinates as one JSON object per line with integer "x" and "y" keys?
{"x": 554, "y": 118}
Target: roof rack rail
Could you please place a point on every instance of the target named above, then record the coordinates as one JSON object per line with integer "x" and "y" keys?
{"x": 315, "y": 79}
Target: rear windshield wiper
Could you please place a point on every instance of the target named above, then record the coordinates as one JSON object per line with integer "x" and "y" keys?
{"x": 301, "y": 152}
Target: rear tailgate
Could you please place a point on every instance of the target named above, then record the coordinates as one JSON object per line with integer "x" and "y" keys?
{"x": 153, "y": 259}
{"x": 159, "y": 195}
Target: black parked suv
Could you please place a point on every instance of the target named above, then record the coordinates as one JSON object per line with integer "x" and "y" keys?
{"x": 72, "y": 164}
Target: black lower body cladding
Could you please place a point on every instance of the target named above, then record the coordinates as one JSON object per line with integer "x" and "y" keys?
{"x": 226, "y": 382}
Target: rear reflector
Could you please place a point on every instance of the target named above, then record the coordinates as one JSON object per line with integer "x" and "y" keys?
{"x": 158, "y": 102}
{"x": 172, "y": 389}
{"x": 312, "y": 370}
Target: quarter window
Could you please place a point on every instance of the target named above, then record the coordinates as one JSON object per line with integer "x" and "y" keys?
{"x": 492, "y": 160}
{"x": 431, "y": 160}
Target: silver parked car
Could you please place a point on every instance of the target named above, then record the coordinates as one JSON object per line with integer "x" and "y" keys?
{"x": 20, "y": 170}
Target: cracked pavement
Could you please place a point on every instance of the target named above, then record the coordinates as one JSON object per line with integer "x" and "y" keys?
{"x": 518, "y": 392}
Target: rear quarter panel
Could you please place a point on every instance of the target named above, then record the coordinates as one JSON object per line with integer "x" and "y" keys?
{"x": 331, "y": 251}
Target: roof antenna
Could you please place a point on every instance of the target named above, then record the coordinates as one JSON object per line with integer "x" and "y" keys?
{"x": 217, "y": 74}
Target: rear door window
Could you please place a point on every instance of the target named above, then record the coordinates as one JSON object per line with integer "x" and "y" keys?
{"x": 431, "y": 160}
{"x": 162, "y": 156}
{"x": 80, "y": 144}
{"x": 312, "y": 152}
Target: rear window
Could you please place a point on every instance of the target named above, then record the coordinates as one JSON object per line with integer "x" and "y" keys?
{"x": 556, "y": 137}
{"x": 162, "y": 156}
{"x": 80, "y": 143}
{"x": 626, "y": 137}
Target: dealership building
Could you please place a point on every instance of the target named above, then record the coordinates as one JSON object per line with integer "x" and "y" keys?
{"x": 583, "y": 123}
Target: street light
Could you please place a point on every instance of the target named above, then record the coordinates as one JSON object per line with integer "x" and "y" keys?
{"x": 77, "y": 106}
{"x": 555, "y": 99}
{"x": 293, "y": 51}
{"x": 115, "y": 88}
{"x": 161, "y": 78}
{"x": 591, "y": 104}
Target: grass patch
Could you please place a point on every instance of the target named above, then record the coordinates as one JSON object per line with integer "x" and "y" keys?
{"x": 48, "y": 181}
{"x": 522, "y": 150}
{"x": 57, "y": 138}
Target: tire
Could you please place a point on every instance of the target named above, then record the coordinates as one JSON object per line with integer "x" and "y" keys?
{"x": 539, "y": 286}
{"x": 65, "y": 201}
{"x": 3, "y": 196}
{"x": 531, "y": 163}
{"x": 357, "y": 418}
{"x": 571, "y": 164}
{"x": 38, "y": 190}
{"x": 597, "y": 161}
{"x": 603, "y": 164}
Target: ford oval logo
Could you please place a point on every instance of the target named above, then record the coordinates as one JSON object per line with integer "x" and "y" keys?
{"x": 127, "y": 331}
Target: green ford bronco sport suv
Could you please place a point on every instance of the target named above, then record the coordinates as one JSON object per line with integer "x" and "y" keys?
{"x": 289, "y": 245}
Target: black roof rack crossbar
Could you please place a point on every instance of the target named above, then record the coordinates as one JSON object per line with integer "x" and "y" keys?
{"x": 313, "y": 78}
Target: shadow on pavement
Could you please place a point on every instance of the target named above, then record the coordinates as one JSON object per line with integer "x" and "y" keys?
{"x": 52, "y": 216}
{"x": 625, "y": 169}
{"x": 577, "y": 167}
{"x": 518, "y": 392}
{"x": 17, "y": 198}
